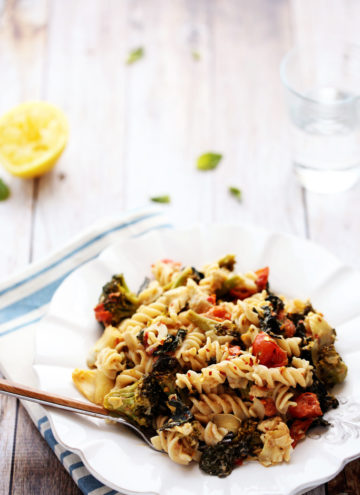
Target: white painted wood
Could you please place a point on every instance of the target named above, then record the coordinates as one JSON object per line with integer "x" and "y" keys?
{"x": 84, "y": 75}
{"x": 169, "y": 107}
{"x": 249, "y": 122}
{"x": 7, "y": 425}
{"x": 22, "y": 40}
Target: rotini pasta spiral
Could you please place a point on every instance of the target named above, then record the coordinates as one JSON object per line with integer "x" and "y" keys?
{"x": 200, "y": 358}
{"x": 211, "y": 404}
{"x": 291, "y": 345}
{"x": 288, "y": 375}
{"x": 236, "y": 371}
{"x": 144, "y": 315}
{"x": 165, "y": 271}
{"x": 277, "y": 442}
{"x": 179, "y": 442}
{"x": 213, "y": 434}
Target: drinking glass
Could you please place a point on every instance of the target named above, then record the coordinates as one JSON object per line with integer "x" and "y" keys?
{"x": 322, "y": 91}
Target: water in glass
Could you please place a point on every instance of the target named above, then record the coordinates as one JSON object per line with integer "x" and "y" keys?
{"x": 326, "y": 141}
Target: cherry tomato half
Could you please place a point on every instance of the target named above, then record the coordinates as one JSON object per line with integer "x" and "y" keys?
{"x": 262, "y": 278}
{"x": 212, "y": 299}
{"x": 307, "y": 406}
{"x": 102, "y": 315}
{"x": 288, "y": 327}
{"x": 241, "y": 293}
{"x": 298, "y": 429}
{"x": 269, "y": 405}
{"x": 218, "y": 313}
{"x": 268, "y": 352}
{"x": 235, "y": 350}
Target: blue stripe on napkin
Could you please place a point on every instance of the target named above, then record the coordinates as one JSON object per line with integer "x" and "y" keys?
{"x": 81, "y": 248}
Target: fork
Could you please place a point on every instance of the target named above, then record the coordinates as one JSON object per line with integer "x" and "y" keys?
{"x": 19, "y": 391}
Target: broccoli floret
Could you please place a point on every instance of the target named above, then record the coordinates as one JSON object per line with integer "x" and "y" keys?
{"x": 138, "y": 401}
{"x": 208, "y": 324}
{"x": 228, "y": 262}
{"x": 230, "y": 283}
{"x": 220, "y": 459}
{"x": 330, "y": 368}
{"x": 116, "y": 302}
{"x": 184, "y": 275}
{"x": 166, "y": 364}
{"x": 166, "y": 381}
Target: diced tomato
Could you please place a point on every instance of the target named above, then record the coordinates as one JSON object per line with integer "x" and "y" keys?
{"x": 235, "y": 350}
{"x": 239, "y": 462}
{"x": 307, "y": 406}
{"x": 241, "y": 293}
{"x": 102, "y": 315}
{"x": 218, "y": 313}
{"x": 268, "y": 352}
{"x": 298, "y": 429}
{"x": 269, "y": 405}
{"x": 262, "y": 278}
{"x": 288, "y": 327}
{"x": 168, "y": 261}
{"x": 212, "y": 299}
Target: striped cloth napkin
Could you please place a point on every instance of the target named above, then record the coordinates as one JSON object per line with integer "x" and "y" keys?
{"x": 24, "y": 299}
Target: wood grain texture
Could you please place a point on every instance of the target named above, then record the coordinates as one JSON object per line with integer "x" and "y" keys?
{"x": 7, "y": 436}
{"x": 249, "y": 41}
{"x": 346, "y": 482}
{"x": 36, "y": 469}
{"x": 22, "y": 41}
{"x": 84, "y": 75}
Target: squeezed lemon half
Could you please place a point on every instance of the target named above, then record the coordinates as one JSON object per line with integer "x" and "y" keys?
{"x": 32, "y": 137}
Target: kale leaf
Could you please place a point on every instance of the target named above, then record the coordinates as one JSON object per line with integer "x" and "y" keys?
{"x": 171, "y": 342}
{"x": 181, "y": 413}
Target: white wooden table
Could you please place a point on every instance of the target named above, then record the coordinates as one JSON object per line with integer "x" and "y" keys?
{"x": 136, "y": 131}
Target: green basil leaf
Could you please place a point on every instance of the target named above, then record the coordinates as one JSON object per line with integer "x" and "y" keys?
{"x": 196, "y": 55}
{"x": 4, "y": 191}
{"x": 236, "y": 192}
{"x": 161, "y": 199}
{"x": 208, "y": 161}
{"x": 135, "y": 55}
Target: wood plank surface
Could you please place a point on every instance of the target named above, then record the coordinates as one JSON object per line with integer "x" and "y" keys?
{"x": 22, "y": 42}
{"x": 136, "y": 132}
{"x": 84, "y": 75}
{"x": 36, "y": 470}
{"x": 8, "y": 416}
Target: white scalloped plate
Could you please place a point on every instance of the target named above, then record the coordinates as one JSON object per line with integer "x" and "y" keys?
{"x": 115, "y": 456}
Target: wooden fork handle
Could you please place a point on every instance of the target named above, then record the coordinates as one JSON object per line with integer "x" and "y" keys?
{"x": 10, "y": 387}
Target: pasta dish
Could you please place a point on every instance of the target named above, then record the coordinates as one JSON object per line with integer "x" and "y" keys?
{"x": 221, "y": 368}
